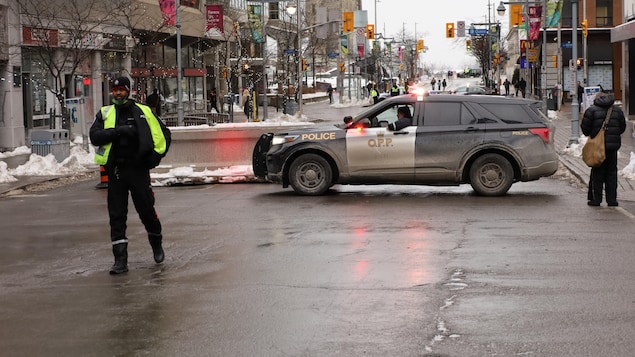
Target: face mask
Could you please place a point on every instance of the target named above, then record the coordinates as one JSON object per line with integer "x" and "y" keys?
{"x": 119, "y": 102}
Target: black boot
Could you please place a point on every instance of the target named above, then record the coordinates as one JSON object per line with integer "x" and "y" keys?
{"x": 157, "y": 249}
{"x": 120, "y": 251}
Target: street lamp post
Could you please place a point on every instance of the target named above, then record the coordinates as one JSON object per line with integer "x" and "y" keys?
{"x": 295, "y": 9}
{"x": 179, "y": 68}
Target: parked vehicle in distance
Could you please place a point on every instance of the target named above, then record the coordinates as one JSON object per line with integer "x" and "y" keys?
{"x": 465, "y": 90}
{"x": 489, "y": 142}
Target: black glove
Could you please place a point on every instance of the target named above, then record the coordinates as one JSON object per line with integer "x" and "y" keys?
{"x": 126, "y": 130}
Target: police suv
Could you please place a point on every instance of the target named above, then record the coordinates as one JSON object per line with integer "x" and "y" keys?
{"x": 489, "y": 142}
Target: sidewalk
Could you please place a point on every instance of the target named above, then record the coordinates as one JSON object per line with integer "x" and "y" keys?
{"x": 626, "y": 188}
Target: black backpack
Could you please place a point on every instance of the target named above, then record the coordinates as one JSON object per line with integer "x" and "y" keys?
{"x": 155, "y": 157}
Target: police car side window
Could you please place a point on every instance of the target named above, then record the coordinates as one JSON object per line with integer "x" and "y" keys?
{"x": 389, "y": 115}
{"x": 436, "y": 114}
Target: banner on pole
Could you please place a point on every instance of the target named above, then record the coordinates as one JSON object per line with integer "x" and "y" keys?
{"x": 554, "y": 12}
{"x": 214, "y": 24}
{"x": 535, "y": 19}
{"x": 168, "y": 10}
{"x": 254, "y": 14}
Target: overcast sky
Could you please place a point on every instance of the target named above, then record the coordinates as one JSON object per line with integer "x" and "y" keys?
{"x": 429, "y": 17}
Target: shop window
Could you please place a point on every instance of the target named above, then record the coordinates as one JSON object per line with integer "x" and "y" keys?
{"x": 274, "y": 11}
{"x": 37, "y": 88}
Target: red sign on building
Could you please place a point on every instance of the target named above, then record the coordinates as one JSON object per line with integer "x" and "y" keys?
{"x": 40, "y": 37}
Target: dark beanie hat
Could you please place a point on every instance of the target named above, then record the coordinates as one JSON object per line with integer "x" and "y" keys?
{"x": 121, "y": 82}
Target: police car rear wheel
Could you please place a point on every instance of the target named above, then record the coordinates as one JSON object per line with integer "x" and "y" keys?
{"x": 310, "y": 175}
{"x": 491, "y": 175}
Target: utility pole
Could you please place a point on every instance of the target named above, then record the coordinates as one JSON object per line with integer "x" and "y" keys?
{"x": 585, "y": 49}
{"x": 575, "y": 106}
{"x": 179, "y": 69}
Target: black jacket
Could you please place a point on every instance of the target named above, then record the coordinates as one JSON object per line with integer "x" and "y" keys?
{"x": 594, "y": 117}
{"x": 400, "y": 124}
{"x": 126, "y": 151}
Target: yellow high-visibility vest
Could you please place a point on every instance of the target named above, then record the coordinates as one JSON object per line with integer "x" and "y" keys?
{"x": 158, "y": 139}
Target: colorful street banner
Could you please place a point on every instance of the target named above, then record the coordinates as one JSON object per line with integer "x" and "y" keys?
{"x": 535, "y": 19}
{"x": 344, "y": 44}
{"x": 554, "y": 12}
{"x": 254, "y": 14}
{"x": 168, "y": 10}
{"x": 214, "y": 24}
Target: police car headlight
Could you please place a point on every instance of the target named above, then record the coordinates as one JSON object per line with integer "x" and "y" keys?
{"x": 279, "y": 140}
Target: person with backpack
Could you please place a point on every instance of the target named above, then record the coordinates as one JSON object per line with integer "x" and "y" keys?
{"x": 131, "y": 141}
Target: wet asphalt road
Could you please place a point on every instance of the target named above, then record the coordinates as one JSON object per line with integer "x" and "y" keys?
{"x": 254, "y": 270}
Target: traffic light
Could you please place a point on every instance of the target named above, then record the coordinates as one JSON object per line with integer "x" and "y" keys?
{"x": 468, "y": 45}
{"x": 579, "y": 63}
{"x": 342, "y": 67}
{"x": 449, "y": 30}
{"x": 420, "y": 46}
{"x": 370, "y": 32}
{"x": 497, "y": 58}
{"x": 585, "y": 27}
{"x": 349, "y": 21}
{"x": 304, "y": 65}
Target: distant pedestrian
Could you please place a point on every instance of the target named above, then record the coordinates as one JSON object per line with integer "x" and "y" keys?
{"x": 154, "y": 102}
{"x": 212, "y": 97}
{"x": 433, "y": 82}
{"x": 522, "y": 85}
{"x": 506, "y": 85}
{"x": 329, "y": 91}
{"x": 444, "y": 83}
{"x": 604, "y": 176}
{"x": 580, "y": 96}
{"x": 375, "y": 95}
{"x": 394, "y": 90}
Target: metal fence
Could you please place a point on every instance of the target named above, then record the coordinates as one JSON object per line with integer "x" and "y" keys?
{"x": 198, "y": 119}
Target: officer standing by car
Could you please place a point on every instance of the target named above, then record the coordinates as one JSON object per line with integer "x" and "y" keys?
{"x": 394, "y": 90}
{"x": 130, "y": 141}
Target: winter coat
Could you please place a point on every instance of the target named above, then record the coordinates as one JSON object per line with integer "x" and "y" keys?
{"x": 136, "y": 151}
{"x": 594, "y": 118}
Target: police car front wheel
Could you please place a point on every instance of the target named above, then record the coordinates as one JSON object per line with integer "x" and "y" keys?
{"x": 310, "y": 175}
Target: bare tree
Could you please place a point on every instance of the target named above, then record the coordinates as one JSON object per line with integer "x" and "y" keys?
{"x": 481, "y": 50}
{"x": 63, "y": 35}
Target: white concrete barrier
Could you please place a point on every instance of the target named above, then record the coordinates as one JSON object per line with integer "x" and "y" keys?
{"x": 219, "y": 146}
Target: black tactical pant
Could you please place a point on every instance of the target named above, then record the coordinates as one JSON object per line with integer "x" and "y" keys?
{"x": 122, "y": 180}
{"x": 604, "y": 177}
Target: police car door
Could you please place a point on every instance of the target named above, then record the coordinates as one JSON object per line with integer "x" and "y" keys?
{"x": 379, "y": 152}
{"x": 448, "y": 133}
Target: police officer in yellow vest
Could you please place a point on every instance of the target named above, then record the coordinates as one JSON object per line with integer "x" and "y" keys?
{"x": 129, "y": 140}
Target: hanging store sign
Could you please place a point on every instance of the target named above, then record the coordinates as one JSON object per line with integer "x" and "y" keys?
{"x": 40, "y": 37}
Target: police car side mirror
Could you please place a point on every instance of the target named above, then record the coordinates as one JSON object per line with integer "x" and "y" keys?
{"x": 348, "y": 119}
{"x": 363, "y": 123}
